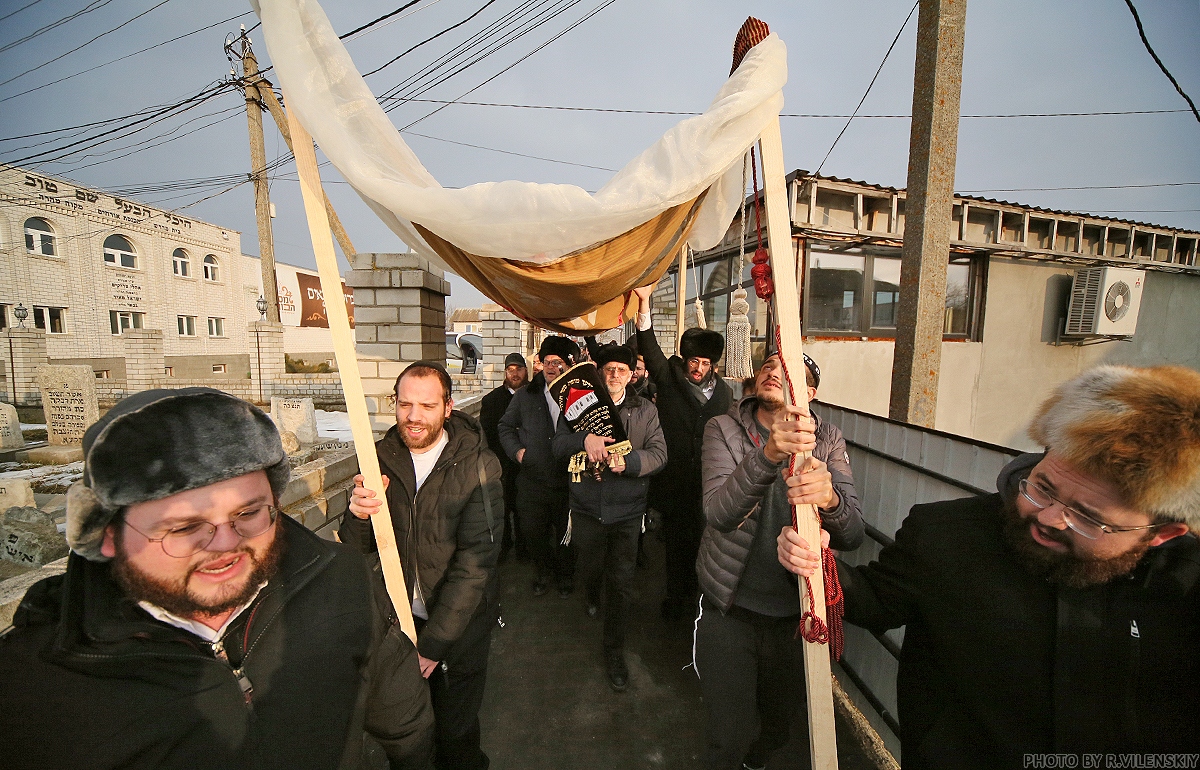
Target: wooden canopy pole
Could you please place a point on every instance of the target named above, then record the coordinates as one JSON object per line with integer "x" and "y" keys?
{"x": 681, "y": 297}
{"x": 347, "y": 360}
{"x": 822, "y": 739}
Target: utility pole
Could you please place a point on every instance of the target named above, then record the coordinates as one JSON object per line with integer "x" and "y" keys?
{"x": 932, "y": 151}
{"x": 258, "y": 168}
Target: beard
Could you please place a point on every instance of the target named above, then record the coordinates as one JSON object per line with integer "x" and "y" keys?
{"x": 432, "y": 433}
{"x": 176, "y": 598}
{"x": 1068, "y": 569}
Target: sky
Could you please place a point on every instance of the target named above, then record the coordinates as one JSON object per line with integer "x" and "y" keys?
{"x": 1021, "y": 56}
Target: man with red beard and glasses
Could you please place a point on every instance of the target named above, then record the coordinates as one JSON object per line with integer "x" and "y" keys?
{"x": 196, "y": 627}
{"x": 447, "y": 507}
{"x": 1059, "y": 617}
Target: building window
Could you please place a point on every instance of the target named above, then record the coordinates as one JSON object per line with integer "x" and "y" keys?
{"x": 218, "y": 368}
{"x": 121, "y": 320}
{"x": 52, "y": 320}
{"x": 212, "y": 269}
{"x": 838, "y": 303}
{"x": 169, "y": 371}
{"x": 39, "y": 237}
{"x": 119, "y": 251}
{"x": 3, "y": 316}
{"x": 103, "y": 374}
{"x": 216, "y": 327}
{"x": 186, "y": 325}
{"x": 181, "y": 263}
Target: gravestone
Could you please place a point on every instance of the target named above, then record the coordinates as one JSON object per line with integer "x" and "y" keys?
{"x": 69, "y": 401}
{"x": 10, "y": 428}
{"x": 29, "y": 538}
{"x": 15, "y": 492}
{"x": 296, "y": 415}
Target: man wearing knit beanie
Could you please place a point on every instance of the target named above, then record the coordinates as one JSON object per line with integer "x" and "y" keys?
{"x": 195, "y": 626}
{"x": 1061, "y": 616}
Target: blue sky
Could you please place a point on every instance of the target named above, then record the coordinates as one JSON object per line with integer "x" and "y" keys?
{"x": 1022, "y": 56}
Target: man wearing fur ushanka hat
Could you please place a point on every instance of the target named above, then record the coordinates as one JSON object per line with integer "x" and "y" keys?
{"x": 1062, "y": 614}
{"x": 196, "y": 626}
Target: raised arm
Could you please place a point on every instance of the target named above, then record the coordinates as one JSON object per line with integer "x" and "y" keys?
{"x": 656, "y": 362}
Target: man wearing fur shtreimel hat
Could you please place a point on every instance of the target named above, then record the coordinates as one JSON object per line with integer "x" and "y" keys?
{"x": 1060, "y": 616}
{"x": 196, "y": 626}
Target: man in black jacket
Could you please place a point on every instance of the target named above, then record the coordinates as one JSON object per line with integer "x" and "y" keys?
{"x": 491, "y": 409}
{"x": 195, "y": 627}
{"x": 750, "y": 663}
{"x": 526, "y": 432}
{"x": 446, "y": 502}
{"x": 1060, "y": 617}
{"x": 607, "y": 516}
{"x": 688, "y": 393}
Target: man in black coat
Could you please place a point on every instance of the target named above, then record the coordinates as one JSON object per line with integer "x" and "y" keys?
{"x": 1057, "y": 620}
{"x": 491, "y": 409}
{"x": 526, "y": 432}
{"x": 446, "y": 503}
{"x": 196, "y": 627}
{"x": 689, "y": 392}
{"x": 607, "y": 516}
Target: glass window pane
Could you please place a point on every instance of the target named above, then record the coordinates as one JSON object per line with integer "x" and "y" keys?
{"x": 835, "y": 285}
{"x": 48, "y": 245}
{"x": 716, "y": 277}
{"x": 886, "y": 281}
{"x": 29, "y": 241}
{"x": 112, "y": 322}
{"x": 137, "y": 320}
{"x": 118, "y": 243}
{"x": 128, "y": 260}
{"x": 958, "y": 295}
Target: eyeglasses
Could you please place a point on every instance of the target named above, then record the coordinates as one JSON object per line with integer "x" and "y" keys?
{"x": 192, "y": 538}
{"x": 1079, "y": 522}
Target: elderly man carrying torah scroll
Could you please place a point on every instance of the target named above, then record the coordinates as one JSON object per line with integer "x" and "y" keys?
{"x": 195, "y": 626}
{"x": 1059, "y": 617}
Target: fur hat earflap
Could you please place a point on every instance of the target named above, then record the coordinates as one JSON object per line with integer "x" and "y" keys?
{"x": 161, "y": 442}
{"x": 1138, "y": 429}
{"x": 563, "y": 347}
{"x": 701, "y": 343}
{"x": 621, "y": 354}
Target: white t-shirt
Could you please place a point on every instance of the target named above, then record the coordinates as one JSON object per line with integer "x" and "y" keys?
{"x": 423, "y": 464}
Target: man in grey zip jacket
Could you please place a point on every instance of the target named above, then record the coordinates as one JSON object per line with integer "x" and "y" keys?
{"x": 747, "y": 657}
{"x": 606, "y": 515}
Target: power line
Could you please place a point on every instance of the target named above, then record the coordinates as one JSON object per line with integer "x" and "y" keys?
{"x": 89, "y": 42}
{"x": 509, "y": 152}
{"x": 1086, "y": 187}
{"x": 1142, "y": 32}
{"x": 23, "y": 7}
{"x": 426, "y": 40}
{"x": 92, "y": 6}
{"x": 384, "y": 17}
{"x": 869, "y": 87}
{"x": 126, "y": 56}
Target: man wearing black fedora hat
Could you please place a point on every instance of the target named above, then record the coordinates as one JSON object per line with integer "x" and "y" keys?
{"x": 690, "y": 392}
{"x": 195, "y": 626}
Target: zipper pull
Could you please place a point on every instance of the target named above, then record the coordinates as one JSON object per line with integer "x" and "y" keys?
{"x": 244, "y": 683}
{"x": 218, "y": 648}
{"x": 1133, "y": 630}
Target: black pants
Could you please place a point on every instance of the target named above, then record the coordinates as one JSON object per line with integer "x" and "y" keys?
{"x": 751, "y": 670}
{"x": 512, "y": 532}
{"x": 683, "y": 525}
{"x": 542, "y": 512}
{"x": 607, "y": 557}
{"x": 456, "y": 691}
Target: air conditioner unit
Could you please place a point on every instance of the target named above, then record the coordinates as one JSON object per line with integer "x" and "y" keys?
{"x": 1104, "y": 302}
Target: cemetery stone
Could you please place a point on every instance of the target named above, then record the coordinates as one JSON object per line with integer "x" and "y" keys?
{"x": 296, "y": 415}
{"x": 10, "y": 428}
{"x": 69, "y": 401}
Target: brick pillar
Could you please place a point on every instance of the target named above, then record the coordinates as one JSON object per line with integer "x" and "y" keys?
{"x": 501, "y": 334}
{"x": 266, "y": 359}
{"x": 144, "y": 363}
{"x": 399, "y": 317}
{"x": 22, "y": 350}
{"x": 662, "y": 313}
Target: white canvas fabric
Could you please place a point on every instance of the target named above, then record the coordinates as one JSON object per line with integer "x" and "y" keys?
{"x": 517, "y": 220}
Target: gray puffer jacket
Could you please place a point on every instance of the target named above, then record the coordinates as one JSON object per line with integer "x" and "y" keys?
{"x": 618, "y": 497}
{"x": 738, "y": 478}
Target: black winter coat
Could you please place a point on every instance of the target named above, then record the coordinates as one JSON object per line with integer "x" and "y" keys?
{"x": 526, "y": 424}
{"x": 739, "y": 480}
{"x": 683, "y": 418}
{"x": 93, "y": 681}
{"x": 618, "y": 497}
{"x": 446, "y": 535}
{"x": 491, "y": 408}
{"x": 998, "y": 664}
